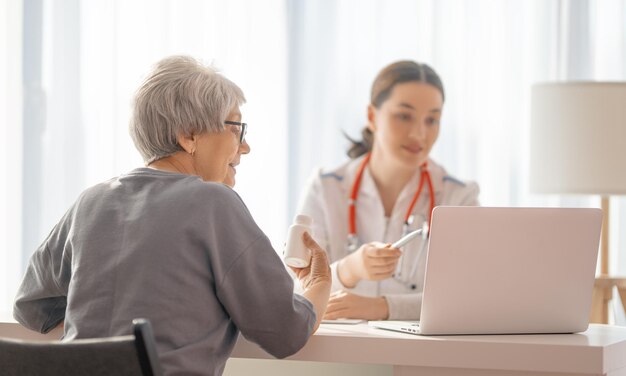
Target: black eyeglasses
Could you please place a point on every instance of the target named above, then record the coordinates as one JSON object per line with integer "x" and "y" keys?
{"x": 243, "y": 130}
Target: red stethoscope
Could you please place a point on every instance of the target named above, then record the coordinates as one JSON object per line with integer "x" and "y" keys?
{"x": 408, "y": 218}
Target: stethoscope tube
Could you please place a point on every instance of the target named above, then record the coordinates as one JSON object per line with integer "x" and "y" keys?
{"x": 408, "y": 218}
{"x": 353, "y": 242}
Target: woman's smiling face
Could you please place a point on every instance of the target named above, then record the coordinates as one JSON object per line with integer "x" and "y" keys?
{"x": 218, "y": 154}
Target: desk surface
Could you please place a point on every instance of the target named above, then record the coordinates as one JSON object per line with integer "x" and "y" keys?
{"x": 599, "y": 350}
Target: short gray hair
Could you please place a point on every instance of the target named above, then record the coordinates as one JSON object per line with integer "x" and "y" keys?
{"x": 180, "y": 96}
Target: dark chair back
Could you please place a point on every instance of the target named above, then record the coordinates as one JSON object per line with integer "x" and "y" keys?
{"x": 132, "y": 355}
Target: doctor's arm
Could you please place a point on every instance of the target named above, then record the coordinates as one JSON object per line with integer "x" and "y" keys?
{"x": 343, "y": 304}
{"x": 346, "y": 305}
{"x": 404, "y": 306}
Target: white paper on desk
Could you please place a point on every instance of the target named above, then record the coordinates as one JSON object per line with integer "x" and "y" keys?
{"x": 343, "y": 321}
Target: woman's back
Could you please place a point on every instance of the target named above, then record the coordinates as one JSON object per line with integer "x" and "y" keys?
{"x": 173, "y": 242}
{"x": 173, "y": 249}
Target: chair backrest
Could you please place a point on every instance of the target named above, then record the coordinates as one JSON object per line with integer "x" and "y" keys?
{"x": 132, "y": 355}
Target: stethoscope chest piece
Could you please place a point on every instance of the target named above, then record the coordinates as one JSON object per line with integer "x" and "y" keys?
{"x": 353, "y": 243}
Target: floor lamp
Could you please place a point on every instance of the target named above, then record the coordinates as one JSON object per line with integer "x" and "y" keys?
{"x": 578, "y": 146}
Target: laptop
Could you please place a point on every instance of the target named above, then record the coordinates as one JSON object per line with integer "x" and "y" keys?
{"x": 507, "y": 271}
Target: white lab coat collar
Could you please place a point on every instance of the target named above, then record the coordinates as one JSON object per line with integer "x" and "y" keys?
{"x": 368, "y": 199}
{"x": 368, "y": 186}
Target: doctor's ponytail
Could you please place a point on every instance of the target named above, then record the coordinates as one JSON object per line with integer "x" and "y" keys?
{"x": 393, "y": 74}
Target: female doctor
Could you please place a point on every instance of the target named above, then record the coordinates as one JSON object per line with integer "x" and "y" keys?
{"x": 388, "y": 189}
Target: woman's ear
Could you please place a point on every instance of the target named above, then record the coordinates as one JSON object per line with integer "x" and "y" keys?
{"x": 187, "y": 142}
{"x": 371, "y": 118}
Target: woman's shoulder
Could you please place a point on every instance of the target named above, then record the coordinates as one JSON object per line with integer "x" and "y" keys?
{"x": 167, "y": 183}
{"x": 199, "y": 189}
{"x": 204, "y": 198}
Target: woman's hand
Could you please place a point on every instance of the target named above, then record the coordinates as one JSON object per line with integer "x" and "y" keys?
{"x": 319, "y": 269}
{"x": 345, "y": 305}
{"x": 315, "y": 278}
{"x": 372, "y": 261}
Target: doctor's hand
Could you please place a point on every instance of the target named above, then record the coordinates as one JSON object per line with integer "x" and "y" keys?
{"x": 373, "y": 261}
{"x": 345, "y": 305}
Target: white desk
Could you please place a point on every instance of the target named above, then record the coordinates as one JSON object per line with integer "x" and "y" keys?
{"x": 601, "y": 350}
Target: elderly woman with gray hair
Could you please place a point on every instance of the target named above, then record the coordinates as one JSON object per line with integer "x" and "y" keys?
{"x": 172, "y": 242}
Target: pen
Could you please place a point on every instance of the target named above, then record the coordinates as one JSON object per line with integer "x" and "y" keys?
{"x": 406, "y": 238}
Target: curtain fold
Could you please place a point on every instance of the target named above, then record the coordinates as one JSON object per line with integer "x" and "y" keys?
{"x": 11, "y": 119}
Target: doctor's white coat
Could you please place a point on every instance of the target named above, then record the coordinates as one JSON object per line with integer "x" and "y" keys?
{"x": 326, "y": 200}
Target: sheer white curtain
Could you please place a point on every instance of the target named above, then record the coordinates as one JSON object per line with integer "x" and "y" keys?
{"x": 10, "y": 150}
{"x": 488, "y": 54}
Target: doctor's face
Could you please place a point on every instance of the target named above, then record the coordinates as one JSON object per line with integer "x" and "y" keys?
{"x": 406, "y": 125}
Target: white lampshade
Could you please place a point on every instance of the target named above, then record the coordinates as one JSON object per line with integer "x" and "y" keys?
{"x": 578, "y": 138}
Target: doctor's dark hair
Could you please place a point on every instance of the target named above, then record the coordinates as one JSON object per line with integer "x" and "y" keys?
{"x": 392, "y": 75}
